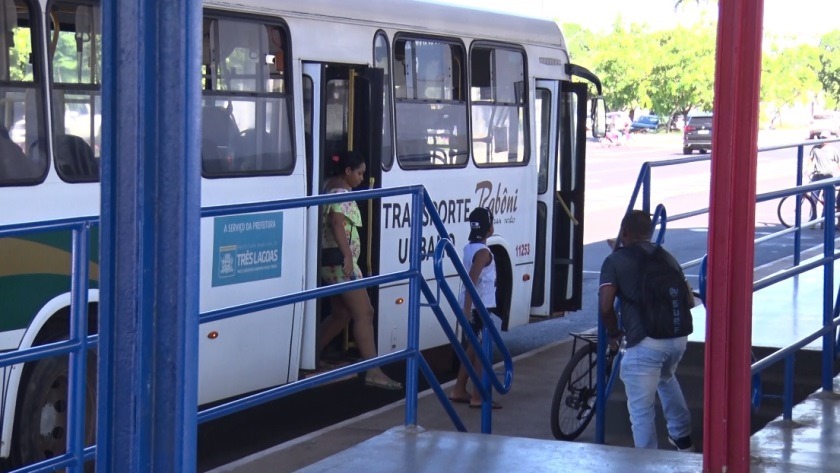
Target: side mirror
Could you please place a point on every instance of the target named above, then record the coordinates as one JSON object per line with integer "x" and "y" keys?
{"x": 599, "y": 118}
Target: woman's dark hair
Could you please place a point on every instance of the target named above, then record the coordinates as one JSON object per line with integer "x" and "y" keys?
{"x": 342, "y": 160}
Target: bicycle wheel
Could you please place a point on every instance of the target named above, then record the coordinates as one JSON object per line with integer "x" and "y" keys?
{"x": 573, "y": 404}
{"x": 787, "y": 210}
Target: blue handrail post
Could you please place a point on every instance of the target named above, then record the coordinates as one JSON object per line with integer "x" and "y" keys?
{"x": 78, "y": 358}
{"x": 150, "y": 213}
{"x": 835, "y": 332}
{"x": 646, "y": 189}
{"x": 797, "y": 237}
{"x": 413, "y": 342}
{"x": 600, "y": 389}
{"x": 828, "y": 289}
{"x": 486, "y": 402}
{"x": 787, "y": 395}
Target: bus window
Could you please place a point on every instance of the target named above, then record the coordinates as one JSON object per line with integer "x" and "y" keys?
{"x": 498, "y": 106}
{"x": 246, "y": 114}
{"x": 75, "y": 63}
{"x": 22, "y": 152}
{"x": 381, "y": 60}
{"x": 431, "y": 112}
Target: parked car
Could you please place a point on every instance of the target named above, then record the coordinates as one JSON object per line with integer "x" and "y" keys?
{"x": 824, "y": 124}
{"x": 645, "y": 123}
{"x": 697, "y": 133}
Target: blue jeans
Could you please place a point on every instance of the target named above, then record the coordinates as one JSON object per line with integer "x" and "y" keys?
{"x": 646, "y": 369}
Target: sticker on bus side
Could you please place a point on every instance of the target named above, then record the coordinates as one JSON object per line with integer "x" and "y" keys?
{"x": 247, "y": 248}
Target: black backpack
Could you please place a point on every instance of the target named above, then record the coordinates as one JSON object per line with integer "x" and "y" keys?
{"x": 664, "y": 301}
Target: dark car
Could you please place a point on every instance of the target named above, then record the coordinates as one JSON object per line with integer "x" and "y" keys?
{"x": 645, "y": 123}
{"x": 697, "y": 133}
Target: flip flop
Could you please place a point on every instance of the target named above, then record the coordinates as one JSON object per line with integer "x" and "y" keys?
{"x": 387, "y": 383}
{"x": 460, "y": 399}
{"x": 496, "y": 405}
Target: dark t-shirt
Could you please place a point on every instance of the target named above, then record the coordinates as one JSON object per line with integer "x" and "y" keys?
{"x": 621, "y": 269}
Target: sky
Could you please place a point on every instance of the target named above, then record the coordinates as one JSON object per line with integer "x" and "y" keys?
{"x": 807, "y": 19}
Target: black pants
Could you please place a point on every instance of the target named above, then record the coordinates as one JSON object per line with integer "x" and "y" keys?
{"x": 476, "y": 324}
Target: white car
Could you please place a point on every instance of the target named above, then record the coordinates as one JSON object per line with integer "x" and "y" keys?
{"x": 824, "y": 125}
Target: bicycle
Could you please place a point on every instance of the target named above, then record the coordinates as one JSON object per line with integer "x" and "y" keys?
{"x": 786, "y": 210}
{"x": 573, "y": 404}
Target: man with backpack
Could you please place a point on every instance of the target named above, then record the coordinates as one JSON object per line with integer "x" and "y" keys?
{"x": 654, "y": 301}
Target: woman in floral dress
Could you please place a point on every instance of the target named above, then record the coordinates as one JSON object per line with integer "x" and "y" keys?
{"x": 339, "y": 233}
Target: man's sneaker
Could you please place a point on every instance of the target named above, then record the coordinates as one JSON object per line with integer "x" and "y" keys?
{"x": 683, "y": 444}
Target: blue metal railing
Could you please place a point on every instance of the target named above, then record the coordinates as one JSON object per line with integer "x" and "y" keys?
{"x": 78, "y": 344}
{"x": 643, "y": 187}
{"x": 830, "y": 315}
{"x": 417, "y": 284}
{"x": 831, "y": 305}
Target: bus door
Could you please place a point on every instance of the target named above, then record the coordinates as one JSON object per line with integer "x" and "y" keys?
{"x": 561, "y": 136}
{"x": 342, "y": 111}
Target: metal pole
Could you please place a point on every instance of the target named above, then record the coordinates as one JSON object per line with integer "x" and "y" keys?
{"x": 487, "y": 404}
{"x": 646, "y": 189}
{"x": 78, "y": 331}
{"x": 726, "y": 423}
{"x": 828, "y": 290}
{"x": 150, "y": 234}
{"x": 797, "y": 236}
{"x": 600, "y": 387}
{"x": 787, "y": 394}
{"x": 413, "y": 342}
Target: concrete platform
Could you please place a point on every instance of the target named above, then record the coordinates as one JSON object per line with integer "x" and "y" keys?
{"x": 521, "y": 425}
{"x": 522, "y": 440}
{"x": 807, "y": 443}
{"x": 406, "y": 449}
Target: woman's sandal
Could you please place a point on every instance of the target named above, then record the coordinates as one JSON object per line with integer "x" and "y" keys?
{"x": 386, "y": 383}
{"x": 496, "y": 405}
{"x": 465, "y": 399}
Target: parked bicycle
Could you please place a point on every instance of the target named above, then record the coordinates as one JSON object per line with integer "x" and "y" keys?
{"x": 573, "y": 404}
{"x": 809, "y": 203}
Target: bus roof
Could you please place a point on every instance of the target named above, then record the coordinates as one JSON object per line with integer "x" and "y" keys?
{"x": 415, "y": 15}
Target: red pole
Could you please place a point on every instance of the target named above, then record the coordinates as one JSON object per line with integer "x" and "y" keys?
{"x": 726, "y": 423}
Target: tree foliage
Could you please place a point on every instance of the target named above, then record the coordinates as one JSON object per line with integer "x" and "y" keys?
{"x": 829, "y": 72}
{"x": 789, "y": 74}
{"x": 664, "y": 71}
{"x": 682, "y": 79}
{"x": 668, "y": 71}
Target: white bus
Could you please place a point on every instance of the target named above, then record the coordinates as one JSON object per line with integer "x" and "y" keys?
{"x": 479, "y": 107}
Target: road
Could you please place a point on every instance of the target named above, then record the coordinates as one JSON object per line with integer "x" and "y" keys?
{"x": 610, "y": 177}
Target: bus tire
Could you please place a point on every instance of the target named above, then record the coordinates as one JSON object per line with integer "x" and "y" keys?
{"x": 41, "y": 414}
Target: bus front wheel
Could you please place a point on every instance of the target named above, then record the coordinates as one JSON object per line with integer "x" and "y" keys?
{"x": 41, "y": 421}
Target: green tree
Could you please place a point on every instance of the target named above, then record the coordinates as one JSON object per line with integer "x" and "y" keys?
{"x": 683, "y": 78}
{"x": 19, "y": 67}
{"x": 623, "y": 59}
{"x": 829, "y": 72}
{"x": 789, "y": 74}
